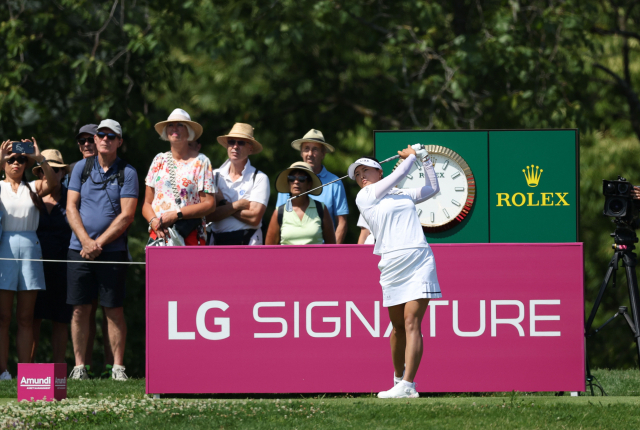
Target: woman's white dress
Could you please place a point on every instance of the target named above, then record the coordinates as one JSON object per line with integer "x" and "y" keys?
{"x": 407, "y": 267}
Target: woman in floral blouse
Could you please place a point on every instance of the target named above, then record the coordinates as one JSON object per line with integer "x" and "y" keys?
{"x": 193, "y": 181}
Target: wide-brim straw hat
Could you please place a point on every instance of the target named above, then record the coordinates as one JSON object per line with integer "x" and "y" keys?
{"x": 241, "y": 131}
{"x": 314, "y": 136}
{"x": 282, "y": 183}
{"x": 180, "y": 115}
{"x": 54, "y": 157}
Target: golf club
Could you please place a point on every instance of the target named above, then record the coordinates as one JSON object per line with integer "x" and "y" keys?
{"x": 289, "y": 206}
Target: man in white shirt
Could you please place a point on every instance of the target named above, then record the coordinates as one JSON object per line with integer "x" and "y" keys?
{"x": 243, "y": 191}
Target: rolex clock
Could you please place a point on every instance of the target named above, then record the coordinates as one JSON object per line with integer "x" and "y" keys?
{"x": 457, "y": 192}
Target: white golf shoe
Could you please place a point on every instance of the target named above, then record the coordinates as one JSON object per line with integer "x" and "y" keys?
{"x": 399, "y": 391}
{"x": 5, "y": 376}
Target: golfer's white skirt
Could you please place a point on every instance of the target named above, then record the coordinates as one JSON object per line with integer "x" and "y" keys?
{"x": 408, "y": 274}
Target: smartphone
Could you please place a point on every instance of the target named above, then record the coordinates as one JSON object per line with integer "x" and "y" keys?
{"x": 22, "y": 148}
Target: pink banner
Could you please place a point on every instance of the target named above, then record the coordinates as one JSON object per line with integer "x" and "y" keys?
{"x": 281, "y": 319}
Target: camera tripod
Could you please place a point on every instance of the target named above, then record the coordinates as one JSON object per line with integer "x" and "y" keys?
{"x": 623, "y": 252}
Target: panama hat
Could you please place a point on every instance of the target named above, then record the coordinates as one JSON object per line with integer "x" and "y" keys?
{"x": 282, "y": 184}
{"x": 179, "y": 115}
{"x": 242, "y": 131}
{"x": 54, "y": 157}
{"x": 312, "y": 135}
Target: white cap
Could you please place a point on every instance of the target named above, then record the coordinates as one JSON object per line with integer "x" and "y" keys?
{"x": 111, "y": 124}
{"x": 362, "y": 162}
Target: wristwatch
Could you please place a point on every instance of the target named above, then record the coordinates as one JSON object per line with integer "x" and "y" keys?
{"x": 179, "y": 215}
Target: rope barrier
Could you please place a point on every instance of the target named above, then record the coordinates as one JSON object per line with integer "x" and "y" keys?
{"x": 75, "y": 261}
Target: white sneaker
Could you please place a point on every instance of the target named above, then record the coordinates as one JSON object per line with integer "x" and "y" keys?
{"x": 79, "y": 373}
{"x": 5, "y": 376}
{"x": 118, "y": 374}
{"x": 399, "y": 391}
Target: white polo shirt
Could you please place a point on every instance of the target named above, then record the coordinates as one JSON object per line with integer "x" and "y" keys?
{"x": 245, "y": 187}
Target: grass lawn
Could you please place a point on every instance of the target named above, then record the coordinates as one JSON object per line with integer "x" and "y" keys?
{"x": 104, "y": 403}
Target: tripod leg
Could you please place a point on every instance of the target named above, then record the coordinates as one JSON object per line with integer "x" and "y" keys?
{"x": 613, "y": 266}
{"x": 629, "y": 260}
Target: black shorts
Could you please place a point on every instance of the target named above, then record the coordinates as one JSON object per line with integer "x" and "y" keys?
{"x": 87, "y": 282}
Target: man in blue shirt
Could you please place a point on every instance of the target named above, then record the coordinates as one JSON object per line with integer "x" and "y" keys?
{"x": 101, "y": 204}
{"x": 313, "y": 148}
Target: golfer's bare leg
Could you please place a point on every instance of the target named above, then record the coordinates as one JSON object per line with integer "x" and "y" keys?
{"x": 117, "y": 333}
{"x": 398, "y": 338}
{"x": 413, "y": 313}
{"x": 80, "y": 332}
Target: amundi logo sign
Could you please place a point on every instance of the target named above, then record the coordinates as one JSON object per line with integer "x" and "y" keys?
{"x": 532, "y": 175}
{"x": 36, "y": 383}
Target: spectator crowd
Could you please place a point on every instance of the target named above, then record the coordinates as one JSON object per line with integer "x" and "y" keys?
{"x": 76, "y": 217}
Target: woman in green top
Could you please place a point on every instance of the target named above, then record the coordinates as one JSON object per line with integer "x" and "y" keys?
{"x": 309, "y": 223}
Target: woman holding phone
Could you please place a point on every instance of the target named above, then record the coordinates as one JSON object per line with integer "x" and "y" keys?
{"x": 20, "y": 204}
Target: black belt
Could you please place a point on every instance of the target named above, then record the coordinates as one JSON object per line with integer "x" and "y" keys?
{"x": 237, "y": 237}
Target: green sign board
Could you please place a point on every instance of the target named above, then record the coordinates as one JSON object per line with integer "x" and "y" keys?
{"x": 499, "y": 186}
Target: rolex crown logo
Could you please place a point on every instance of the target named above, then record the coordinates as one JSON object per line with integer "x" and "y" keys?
{"x": 532, "y": 175}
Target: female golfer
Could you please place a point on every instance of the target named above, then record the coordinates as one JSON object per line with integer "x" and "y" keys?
{"x": 407, "y": 267}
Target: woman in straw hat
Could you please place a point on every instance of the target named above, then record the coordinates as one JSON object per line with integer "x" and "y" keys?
{"x": 20, "y": 207}
{"x": 309, "y": 223}
{"x": 179, "y": 185}
{"x": 243, "y": 191}
{"x": 54, "y": 234}
{"x": 407, "y": 268}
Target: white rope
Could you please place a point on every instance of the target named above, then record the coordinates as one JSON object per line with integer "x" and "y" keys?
{"x": 75, "y": 261}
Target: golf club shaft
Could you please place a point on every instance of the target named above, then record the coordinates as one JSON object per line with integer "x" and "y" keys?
{"x": 395, "y": 157}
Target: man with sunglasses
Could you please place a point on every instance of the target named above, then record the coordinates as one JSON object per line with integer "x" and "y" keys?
{"x": 87, "y": 146}
{"x": 243, "y": 191}
{"x": 313, "y": 149}
{"x": 86, "y": 143}
{"x": 100, "y": 209}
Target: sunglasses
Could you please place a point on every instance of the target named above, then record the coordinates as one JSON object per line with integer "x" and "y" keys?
{"x": 86, "y": 140}
{"x": 300, "y": 178}
{"x": 21, "y": 159}
{"x": 110, "y": 136}
{"x": 231, "y": 142}
{"x": 55, "y": 170}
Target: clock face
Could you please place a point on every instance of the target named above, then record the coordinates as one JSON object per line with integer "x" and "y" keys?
{"x": 453, "y": 202}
